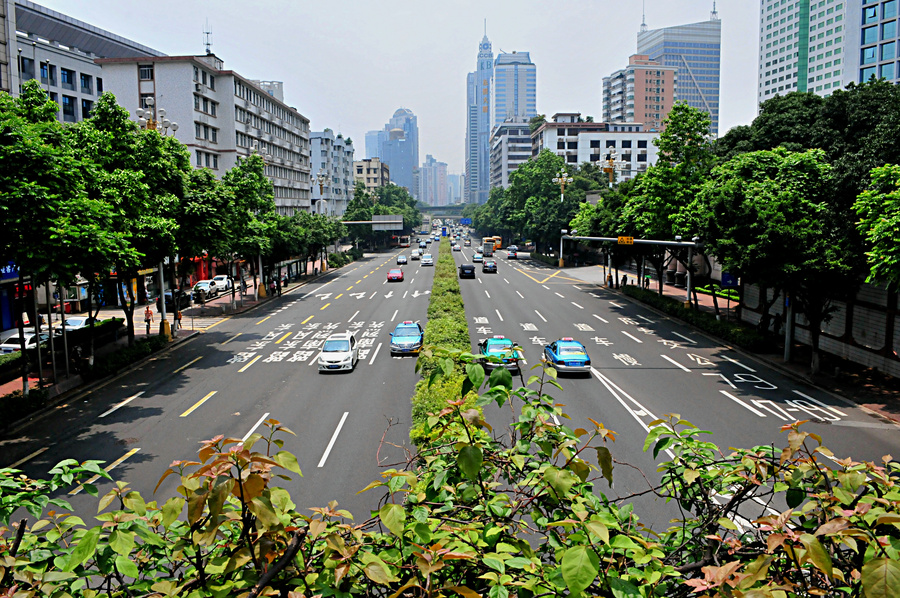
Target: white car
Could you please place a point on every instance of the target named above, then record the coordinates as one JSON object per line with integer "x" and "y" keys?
{"x": 77, "y": 322}
{"x": 12, "y": 344}
{"x": 223, "y": 282}
{"x": 340, "y": 352}
{"x": 209, "y": 287}
{"x": 457, "y": 247}
{"x": 415, "y": 254}
{"x": 427, "y": 260}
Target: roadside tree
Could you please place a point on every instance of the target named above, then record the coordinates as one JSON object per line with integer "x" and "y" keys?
{"x": 879, "y": 223}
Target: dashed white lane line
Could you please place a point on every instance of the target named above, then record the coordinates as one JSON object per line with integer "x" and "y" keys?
{"x": 253, "y": 429}
{"x": 384, "y": 281}
{"x": 506, "y": 281}
{"x": 738, "y": 363}
{"x": 405, "y": 293}
{"x": 648, "y": 320}
{"x": 373, "y": 293}
{"x": 395, "y": 314}
{"x": 561, "y": 296}
{"x": 498, "y": 314}
{"x": 576, "y": 288}
{"x": 412, "y": 281}
{"x": 540, "y": 316}
{"x": 601, "y": 319}
{"x": 545, "y": 286}
{"x": 333, "y": 439}
{"x": 673, "y": 362}
{"x": 520, "y": 294}
{"x": 488, "y": 294}
{"x": 375, "y": 354}
{"x": 122, "y": 404}
{"x": 353, "y": 316}
{"x": 634, "y": 338}
{"x": 614, "y": 304}
{"x": 576, "y": 305}
{"x": 690, "y": 340}
{"x": 743, "y": 404}
{"x": 479, "y": 281}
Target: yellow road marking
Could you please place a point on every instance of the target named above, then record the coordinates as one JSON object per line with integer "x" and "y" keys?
{"x": 357, "y": 282}
{"x": 367, "y": 275}
{"x": 551, "y": 276}
{"x": 217, "y": 323}
{"x": 198, "y": 403}
{"x": 263, "y": 320}
{"x": 187, "y": 364}
{"x": 324, "y": 306}
{"x": 307, "y": 319}
{"x": 252, "y": 361}
{"x": 283, "y": 337}
{"x": 107, "y": 469}
{"x": 232, "y": 338}
{"x": 29, "y": 457}
{"x": 350, "y": 287}
{"x": 339, "y": 296}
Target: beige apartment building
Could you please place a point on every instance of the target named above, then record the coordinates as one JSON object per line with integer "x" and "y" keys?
{"x": 643, "y": 92}
{"x": 372, "y": 172}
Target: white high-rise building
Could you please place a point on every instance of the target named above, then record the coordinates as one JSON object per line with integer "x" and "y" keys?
{"x": 332, "y": 157}
{"x": 433, "y": 186}
{"x": 510, "y": 148}
{"x": 514, "y": 88}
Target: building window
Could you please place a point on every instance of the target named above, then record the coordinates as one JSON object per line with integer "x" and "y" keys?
{"x": 145, "y": 72}
{"x": 68, "y": 79}
{"x": 560, "y": 144}
{"x": 870, "y": 15}
{"x": 87, "y": 84}
{"x": 68, "y": 103}
{"x": 868, "y": 55}
{"x": 199, "y": 156}
{"x": 642, "y": 143}
{"x": 870, "y": 35}
{"x": 86, "y": 106}
{"x": 198, "y": 130}
{"x": 45, "y": 72}
{"x": 144, "y": 97}
{"x": 626, "y": 143}
{"x": 889, "y": 51}
{"x": 888, "y": 71}
{"x": 99, "y": 85}
{"x": 889, "y": 9}
{"x": 196, "y": 74}
{"x": 212, "y": 82}
{"x": 867, "y": 73}
{"x": 889, "y": 30}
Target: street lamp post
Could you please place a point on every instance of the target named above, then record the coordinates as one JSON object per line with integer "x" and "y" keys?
{"x": 562, "y": 179}
{"x": 321, "y": 179}
{"x": 612, "y": 165}
{"x": 153, "y": 119}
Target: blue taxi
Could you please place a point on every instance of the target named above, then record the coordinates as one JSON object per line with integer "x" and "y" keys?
{"x": 568, "y": 355}
{"x": 407, "y": 338}
{"x": 506, "y": 352}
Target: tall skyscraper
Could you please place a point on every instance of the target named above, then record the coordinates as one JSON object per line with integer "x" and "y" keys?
{"x": 433, "y": 186}
{"x": 695, "y": 50}
{"x": 514, "y": 88}
{"x": 815, "y": 46}
{"x": 453, "y": 182}
{"x": 398, "y": 146}
{"x": 642, "y": 92}
{"x": 470, "y": 192}
{"x": 374, "y": 140}
{"x": 479, "y": 131}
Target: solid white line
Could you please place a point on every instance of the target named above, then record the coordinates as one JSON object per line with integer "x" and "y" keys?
{"x": 599, "y": 318}
{"x": 498, "y": 314}
{"x": 634, "y": 338}
{"x": 353, "y": 316}
{"x": 540, "y": 316}
{"x": 809, "y": 398}
{"x": 375, "y": 354}
{"x": 253, "y": 429}
{"x": 333, "y": 439}
{"x": 506, "y": 281}
{"x": 736, "y": 362}
{"x": 374, "y": 293}
{"x": 742, "y": 403}
{"x": 690, "y": 340}
{"x": 395, "y": 315}
{"x": 520, "y": 294}
{"x": 405, "y": 293}
{"x": 576, "y": 305}
{"x": 315, "y": 359}
{"x": 559, "y": 295}
{"x": 672, "y": 361}
{"x": 488, "y": 294}
{"x": 122, "y": 404}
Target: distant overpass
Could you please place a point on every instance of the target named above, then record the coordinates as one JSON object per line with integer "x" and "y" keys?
{"x": 454, "y": 211}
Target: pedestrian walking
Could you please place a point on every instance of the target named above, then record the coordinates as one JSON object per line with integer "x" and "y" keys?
{"x": 177, "y": 318}
{"x": 243, "y": 286}
{"x": 148, "y": 318}
{"x": 609, "y": 280}
{"x": 624, "y": 279}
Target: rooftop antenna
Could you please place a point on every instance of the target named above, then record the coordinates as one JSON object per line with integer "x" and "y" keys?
{"x": 206, "y": 41}
{"x": 714, "y": 16}
{"x": 485, "y": 27}
{"x": 643, "y": 16}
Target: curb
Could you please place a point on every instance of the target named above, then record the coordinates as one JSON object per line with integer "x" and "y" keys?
{"x": 759, "y": 359}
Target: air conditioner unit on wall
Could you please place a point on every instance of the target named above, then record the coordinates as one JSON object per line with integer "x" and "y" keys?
{"x": 198, "y": 87}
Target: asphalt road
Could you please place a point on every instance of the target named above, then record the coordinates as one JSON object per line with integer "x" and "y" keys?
{"x": 646, "y": 366}
{"x": 261, "y": 364}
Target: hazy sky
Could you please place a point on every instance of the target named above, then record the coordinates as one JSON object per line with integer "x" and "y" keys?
{"x": 349, "y": 64}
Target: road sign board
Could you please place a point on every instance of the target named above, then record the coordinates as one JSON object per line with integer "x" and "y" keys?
{"x": 466, "y": 221}
{"x": 626, "y": 240}
{"x": 729, "y": 281}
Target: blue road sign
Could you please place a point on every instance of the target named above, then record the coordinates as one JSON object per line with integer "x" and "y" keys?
{"x": 466, "y": 221}
{"x": 729, "y": 281}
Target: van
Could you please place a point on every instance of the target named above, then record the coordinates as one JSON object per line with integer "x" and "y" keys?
{"x": 415, "y": 254}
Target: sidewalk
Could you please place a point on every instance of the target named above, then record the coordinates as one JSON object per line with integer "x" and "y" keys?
{"x": 868, "y": 388}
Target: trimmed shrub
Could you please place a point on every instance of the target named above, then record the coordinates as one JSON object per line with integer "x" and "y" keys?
{"x": 15, "y": 406}
{"x": 112, "y": 363}
{"x": 737, "y": 333}
{"x": 550, "y": 261}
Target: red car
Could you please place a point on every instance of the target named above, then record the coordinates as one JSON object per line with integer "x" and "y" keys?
{"x": 395, "y": 275}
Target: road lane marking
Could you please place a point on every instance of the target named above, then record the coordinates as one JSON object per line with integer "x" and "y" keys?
{"x": 287, "y": 334}
{"x": 28, "y": 457}
{"x": 809, "y": 398}
{"x": 357, "y": 282}
{"x": 198, "y": 403}
{"x": 672, "y": 361}
{"x": 730, "y": 383}
{"x": 488, "y": 294}
{"x": 634, "y": 338}
{"x": 690, "y": 340}
{"x": 232, "y": 338}
{"x": 614, "y": 304}
{"x": 738, "y": 363}
{"x": 545, "y": 286}
{"x": 333, "y": 439}
{"x": 217, "y": 323}
{"x": 742, "y": 403}
{"x": 263, "y": 320}
{"x": 339, "y": 296}
{"x": 506, "y": 281}
{"x": 561, "y": 296}
{"x": 187, "y": 364}
{"x": 576, "y": 288}
{"x": 120, "y": 405}
{"x": 393, "y": 316}
{"x": 253, "y": 429}
{"x": 576, "y": 305}
{"x": 412, "y": 281}
{"x": 498, "y": 314}
{"x": 520, "y": 294}
{"x": 599, "y": 318}
{"x": 366, "y": 276}
{"x": 307, "y": 319}
{"x": 405, "y": 293}
{"x": 479, "y": 281}
{"x": 252, "y": 361}
{"x": 540, "y": 316}
{"x": 353, "y": 316}
{"x": 375, "y": 354}
{"x": 373, "y": 293}
{"x": 350, "y": 287}
{"x": 107, "y": 469}
{"x": 315, "y": 359}
{"x": 324, "y": 306}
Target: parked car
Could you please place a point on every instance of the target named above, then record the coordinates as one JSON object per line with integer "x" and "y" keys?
{"x": 78, "y": 322}
{"x": 223, "y": 282}
{"x": 184, "y": 301}
{"x": 208, "y": 288}
{"x": 12, "y": 344}
{"x": 467, "y": 271}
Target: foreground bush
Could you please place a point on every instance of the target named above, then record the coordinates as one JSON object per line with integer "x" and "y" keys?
{"x": 734, "y": 332}
{"x": 477, "y": 512}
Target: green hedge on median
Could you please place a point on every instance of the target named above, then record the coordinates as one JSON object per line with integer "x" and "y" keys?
{"x": 734, "y": 332}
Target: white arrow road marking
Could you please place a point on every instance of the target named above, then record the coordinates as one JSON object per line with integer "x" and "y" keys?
{"x": 738, "y": 363}
{"x": 672, "y": 361}
{"x": 743, "y": 404}
{"x": 122, "y": 404}
{"x": 333, "y": 439}
{"x": 540, "y": 316}
{"x": 389, "y": 295}
{"x": 599, "y": 318}
{"x": 634, "y": 338}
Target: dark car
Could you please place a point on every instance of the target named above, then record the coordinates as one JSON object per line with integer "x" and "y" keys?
{"x": 184, "y": 300}
{"x": 467, "y": 271}
{"x": 489, "y": 265}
